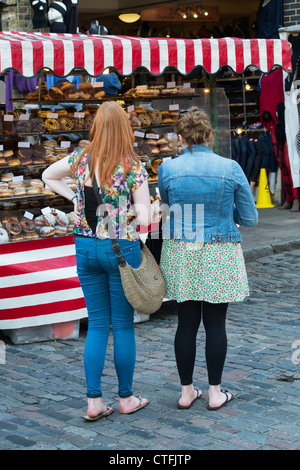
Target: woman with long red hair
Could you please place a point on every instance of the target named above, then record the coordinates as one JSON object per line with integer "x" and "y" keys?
{"x": 123, "y": 185}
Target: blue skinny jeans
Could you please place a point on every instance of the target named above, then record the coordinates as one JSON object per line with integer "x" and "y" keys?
{"x": 99, "y": 277}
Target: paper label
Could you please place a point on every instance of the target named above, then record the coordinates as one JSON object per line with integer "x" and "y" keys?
{"x": 65, "y": 144}
{"x": 171, "y": 84}
{"x": 24, "y": 145}
{"x": 186, "y": 85}
{"x": 79, "y": 115}
{"x": 139, "y": 134}
{"x": 17, "y": 179}
{"x": 98, "y": 85}
{"x": 24, "y": 117}
{"x": 28, "y": 215}
{"x": 46, "y": 210}
{"x": 130, "y": 108}
{"x": 8, "y": 117}
{"x": 52, "y": 115}
{"x": 174, "y": 107}
{"x": 152, "y": 136}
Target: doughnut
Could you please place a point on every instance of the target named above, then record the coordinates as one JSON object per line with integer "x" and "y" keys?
{"x": 3, "y": 236}
{"x": 7, "y": 177}
{"x": 27, "y": 225}
{"x": 145, "y": 119}
{"x": 49, "y": 219}
{"x": 59, "y": 230}
{"x": 10, "y": 219}
{"x": 20, "y": 191}
{"x": 30, "y": 235}
{"x": 61, "y": 219}
{"x": 16, "y": 238}
{"x": 33, "y": 191}
{"x": 52, "y": 125}
{"x": 46, "y": 231}
{"x": 13, "y": 162}
{"x": 6, "y": 192}
{"x": 14, "y": 228}
{"x": 47, "y": 192}
{"x": 36, "y": 183}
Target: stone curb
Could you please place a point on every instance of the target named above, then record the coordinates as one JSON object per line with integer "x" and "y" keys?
{"x": 251, "y": 254}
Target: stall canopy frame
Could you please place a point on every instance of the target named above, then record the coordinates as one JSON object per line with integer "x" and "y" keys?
{"x": 30, "y": 53}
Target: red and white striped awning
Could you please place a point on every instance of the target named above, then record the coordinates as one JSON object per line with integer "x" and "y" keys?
{"x": 28, "y": 53}
{"x": 39, "y": 283}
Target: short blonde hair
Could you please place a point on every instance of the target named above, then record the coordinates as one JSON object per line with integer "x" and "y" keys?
{"x": 195, "y": 127}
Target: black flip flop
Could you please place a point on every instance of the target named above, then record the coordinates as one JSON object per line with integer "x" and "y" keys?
{"x": 214, "y": 408}
{"x": 182, "y": 407}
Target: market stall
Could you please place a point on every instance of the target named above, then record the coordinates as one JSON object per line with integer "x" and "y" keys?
{"x": 39, "y": 285}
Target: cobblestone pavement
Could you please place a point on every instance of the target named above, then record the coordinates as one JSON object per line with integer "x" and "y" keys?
{"x": 42, "y": 385}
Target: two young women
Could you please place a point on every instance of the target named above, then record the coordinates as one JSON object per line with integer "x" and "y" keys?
{"x": 198, "y": 177}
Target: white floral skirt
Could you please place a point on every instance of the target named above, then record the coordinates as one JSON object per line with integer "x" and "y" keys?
{"x": 213, "y": 272}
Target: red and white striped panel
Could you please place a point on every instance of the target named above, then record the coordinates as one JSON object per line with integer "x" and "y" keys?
{"x": 39, "y": 283}
{"x": 30, "y": 52}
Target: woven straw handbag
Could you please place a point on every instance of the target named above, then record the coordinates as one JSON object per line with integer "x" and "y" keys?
{"x": 144, "y": 287}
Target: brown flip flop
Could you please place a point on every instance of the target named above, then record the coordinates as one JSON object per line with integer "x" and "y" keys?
{"x": 139, "y": 407}
{"x": 214, "y": 408}
{"x": 105, "y": 413}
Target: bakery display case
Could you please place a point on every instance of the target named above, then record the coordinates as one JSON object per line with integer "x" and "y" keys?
{"x": 39, "y": 284}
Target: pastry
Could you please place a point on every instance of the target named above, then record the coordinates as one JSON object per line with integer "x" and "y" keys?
{"x": 27, "y": 225}
{"x": 52, "y": 125}
{"x": 99, "y": 95}
{"x": 7, "y": 177}
{"x": 145, "y": 119}
{"x": 22, "y": 127}
{"x": 3, "y": 235}
{"x": 66, "y": 124}
{"x": 46, "y": 231}
{"x": 13, "y": 162}
{"x": 6, "y": 192}
{"x": 155, "y": 117}
{"x": 61, "y": 219}
{"x": 8, "y": 153}
{"x": 155, "y": 164}
{"x": 60, "y": 230}
{"x": 47, "y": 192}
{"x": 55, "y": 94}
{"x": 13, "y": 228}
{"x": 36, "y": 183}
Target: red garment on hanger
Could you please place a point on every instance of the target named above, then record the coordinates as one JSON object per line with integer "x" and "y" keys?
{"x": 271, "y": 94}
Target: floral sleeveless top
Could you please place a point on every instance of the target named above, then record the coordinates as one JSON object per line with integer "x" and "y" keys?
{"x": 117, "y": 199}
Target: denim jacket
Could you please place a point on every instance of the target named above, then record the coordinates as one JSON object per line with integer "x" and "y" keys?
{"x": 204, "y": 196}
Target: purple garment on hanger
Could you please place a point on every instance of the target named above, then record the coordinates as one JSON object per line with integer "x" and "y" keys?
{"x": 24, "y": 85}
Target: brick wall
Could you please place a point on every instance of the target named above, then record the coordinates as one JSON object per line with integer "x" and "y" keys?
{"x": 291, "y": 12}
{"x": 17, "y": 17}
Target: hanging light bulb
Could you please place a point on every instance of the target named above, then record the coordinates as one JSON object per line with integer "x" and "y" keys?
{"x": 202, "y": 10}
{"x": 181, "y": 13}
{"x": 192, "y": 13}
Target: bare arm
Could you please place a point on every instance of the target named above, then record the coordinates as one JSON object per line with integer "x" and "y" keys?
{"x": 53, "y": 177}
{"x": 142, "y": 204}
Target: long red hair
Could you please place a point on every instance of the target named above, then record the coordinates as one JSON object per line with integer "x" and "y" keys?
{"x": 111, "y": 142}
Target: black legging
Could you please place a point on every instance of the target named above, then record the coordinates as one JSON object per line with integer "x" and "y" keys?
{"x": 189, "y": 319}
